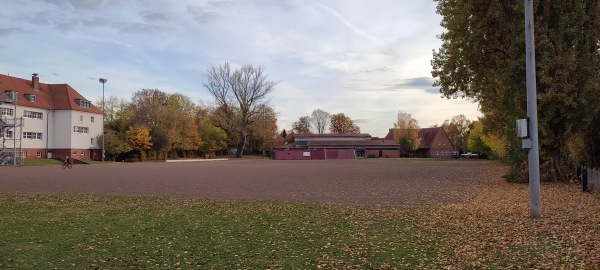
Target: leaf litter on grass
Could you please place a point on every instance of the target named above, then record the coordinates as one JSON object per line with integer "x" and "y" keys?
{"x": 495, "y": 231}
{"x": 490, "y": 231}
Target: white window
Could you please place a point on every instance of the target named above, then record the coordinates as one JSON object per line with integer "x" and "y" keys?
{"x": 92, "y": 141}
{"x": 81, "y": 118}
{"x": 39, "y": 154}
{"x": 31, "y": 98}
{"x": 34, "y": 115}
{"x": 83, "y": 103}
{"x": 77, "y": 129}
{"x": 82, "y": 153}
{"x": 92, "y": 119}
{"x": 32, "y": 135}
{"x": 6, "y": 111}
{"x": 8, "y": 134}
{"x": 437, "y": 152}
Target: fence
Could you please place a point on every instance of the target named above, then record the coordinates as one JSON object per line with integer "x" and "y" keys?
{"x": 590, "y": 178}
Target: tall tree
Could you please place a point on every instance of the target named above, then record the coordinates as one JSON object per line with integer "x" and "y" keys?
{"x": 302, "y": 126}
{"x": 263, "y": 129}
{"x": 342, "y": 124}
{"x": 320, "y": 120}
{"x": 482, "y": 58}
{"x": 458, "y": 129}
{"x": 406, "y": 132}
{"x": 150, "y": 108}
{"x": 239, "y": 90}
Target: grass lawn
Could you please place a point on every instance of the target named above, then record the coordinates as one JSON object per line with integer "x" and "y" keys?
{"x": 108, "y": 232}
{"x": 42, "y": 162}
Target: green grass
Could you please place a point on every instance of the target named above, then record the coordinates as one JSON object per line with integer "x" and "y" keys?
{"x": 42, "y": 162}
{"x": 93, "y": 232}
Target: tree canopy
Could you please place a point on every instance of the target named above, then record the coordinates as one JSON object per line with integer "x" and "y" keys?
{"x": 342, "y": 124}
{"x": 302, "y": 126}
{"x": 482, "y": 58}
{"x": 238, "y": 93}
{"x": 320, "y": 120}
{"x": 406, "y": 132}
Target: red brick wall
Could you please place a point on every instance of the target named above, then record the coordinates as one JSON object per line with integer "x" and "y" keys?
{"x": 62, "y": 153}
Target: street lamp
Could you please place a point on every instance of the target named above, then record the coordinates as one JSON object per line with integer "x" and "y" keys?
{"x": 103, "y": 81}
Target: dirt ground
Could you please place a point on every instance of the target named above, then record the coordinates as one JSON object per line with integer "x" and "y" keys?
{"x": 384, "y": 182}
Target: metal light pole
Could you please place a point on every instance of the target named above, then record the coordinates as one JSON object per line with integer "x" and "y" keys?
{"x": 534, "y": 159}
{"x": 103, "y": 81}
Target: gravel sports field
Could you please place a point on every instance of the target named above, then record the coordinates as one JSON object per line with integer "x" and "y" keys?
{"x": 382, "y": 182}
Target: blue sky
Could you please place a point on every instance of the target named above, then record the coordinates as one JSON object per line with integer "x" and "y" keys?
{"x": 367, "y": 59}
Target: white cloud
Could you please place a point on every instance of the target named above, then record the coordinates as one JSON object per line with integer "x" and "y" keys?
{"x": 367, "y": 59}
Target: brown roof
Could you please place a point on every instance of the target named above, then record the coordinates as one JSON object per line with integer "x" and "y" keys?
{"x": 48, "y": 96}
{"x": 426, "y": 136}
{"x": 362, "y": 135}
{"x": 358, "y": 143}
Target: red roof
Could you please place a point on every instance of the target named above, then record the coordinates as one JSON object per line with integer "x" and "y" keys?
{"x": 47, "y": 96}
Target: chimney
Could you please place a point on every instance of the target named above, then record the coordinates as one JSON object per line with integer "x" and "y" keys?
{"x": 35, "y": 81}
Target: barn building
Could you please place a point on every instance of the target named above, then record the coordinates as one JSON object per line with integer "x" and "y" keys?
{"x": 433, "y": 143}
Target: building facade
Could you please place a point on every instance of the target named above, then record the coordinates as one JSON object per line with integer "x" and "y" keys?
{"x": 40, "y": 120}
{"x": 433, "y": 143}
{"x": 336, "y": 146}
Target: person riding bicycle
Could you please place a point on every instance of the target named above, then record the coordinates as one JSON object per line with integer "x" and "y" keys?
{"x": 66, "y": 161}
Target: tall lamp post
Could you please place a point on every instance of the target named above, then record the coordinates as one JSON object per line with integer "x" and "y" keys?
{"x": 103, "y": 81}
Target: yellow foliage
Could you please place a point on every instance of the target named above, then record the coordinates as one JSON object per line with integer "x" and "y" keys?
{"x": 139, "y": 138}
{"x": 498, "y": 144}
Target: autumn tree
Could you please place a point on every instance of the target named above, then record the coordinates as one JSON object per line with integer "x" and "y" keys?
{"x": 263, "y": 129}
{"x": 170, "y": 114}
{"x": 181, "y": 124}
{"x": 320, "y": 120}
{"x": 114, "y": 145}
{"x": 342, "y": 124}
{"x": 482, "y": 58}
{"x": 237, "y": 93}
{"x": 160, "y": 143}
{"x": 139, "y": 139}
{"x": 214, "y": 138}
{"x": 406, "y": 132}
{"x": 458, "y": 129}
{"x": 475, "y": 142}
{"x": 150, "y": 108}
{"x": 118, "y": 115}
{"x": 302, "y": 126}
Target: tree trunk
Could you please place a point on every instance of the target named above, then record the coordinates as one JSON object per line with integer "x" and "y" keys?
{"x": 242, "y": 145}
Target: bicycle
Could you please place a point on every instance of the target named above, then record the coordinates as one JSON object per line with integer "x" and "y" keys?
{"x": 67, "y": 164}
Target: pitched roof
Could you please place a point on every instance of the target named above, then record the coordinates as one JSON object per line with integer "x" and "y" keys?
{"x": 47, "y": 96}
{"x": 362, "y": 135}
{"x": 425, "y": 135}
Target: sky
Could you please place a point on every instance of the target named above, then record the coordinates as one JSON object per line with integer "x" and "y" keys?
{"x": 368, "y": 59}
